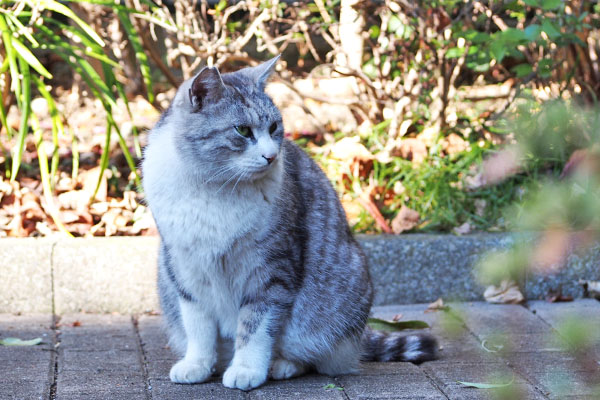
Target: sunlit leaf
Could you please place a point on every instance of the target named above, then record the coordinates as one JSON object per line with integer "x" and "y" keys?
{"x": 28, "y": 56}
{"x": 393, "y": 326}
{"x": 12, "y": 341}
{"x": 479, "y": 385}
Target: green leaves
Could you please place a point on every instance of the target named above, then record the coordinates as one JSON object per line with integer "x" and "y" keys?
{"x": 395, "y": 326}
{"x": 12, "y": 341}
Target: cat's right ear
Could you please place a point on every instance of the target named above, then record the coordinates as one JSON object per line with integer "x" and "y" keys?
{"x": 207, "y": 86}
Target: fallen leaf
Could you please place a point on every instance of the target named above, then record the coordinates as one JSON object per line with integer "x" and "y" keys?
{"x": 11, "y": 341}
{"x": 556, "y": 296}
{"x": 463, "y": 229}
{"x": 491, "y": 347}
{"x": 437, "y": 306}
{"x": 501, "y": 165}
{"x": 486, "y": 385}
{"x": 507, "y": 293}
{"x": 350, "y": 148}
{"x": 332, "y": 386}
{"x": 394, "y": 326}
{"x": 76, "y": 324}
{"x": 405, "y": 220}
{"x": 454, "y": 144}
{"x": 411, "y": 149}
{"x": 397, "y": 317}
{"x": 591, "y": 288}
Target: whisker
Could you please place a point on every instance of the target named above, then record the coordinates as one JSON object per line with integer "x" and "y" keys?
{"x": 226, "y": 182}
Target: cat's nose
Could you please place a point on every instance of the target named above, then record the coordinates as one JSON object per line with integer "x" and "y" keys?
{"x": 270, "y": 158}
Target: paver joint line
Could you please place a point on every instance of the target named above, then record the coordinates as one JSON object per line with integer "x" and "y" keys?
{"x": 53, "y": 373}
{"x": 433, "y": 382}
{"x": 337, "y": 382}
{"x": 142, "y": 358}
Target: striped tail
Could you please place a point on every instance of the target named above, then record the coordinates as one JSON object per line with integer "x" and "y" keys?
{"x": 394, "y": 346}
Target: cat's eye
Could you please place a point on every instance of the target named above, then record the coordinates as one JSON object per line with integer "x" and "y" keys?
{"x": 245, "y": 131}
{"x": 273, "y": 128}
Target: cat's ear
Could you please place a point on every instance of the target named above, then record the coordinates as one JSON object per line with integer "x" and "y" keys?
{"x": 261, "y": 73}
{"x": 206, "y": 86}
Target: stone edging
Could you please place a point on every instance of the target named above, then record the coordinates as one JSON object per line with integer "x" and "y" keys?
{"x": 117, "y": 274}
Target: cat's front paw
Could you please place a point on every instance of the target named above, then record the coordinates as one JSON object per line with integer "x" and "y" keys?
{"x": 243, "y": 377}
{"x": 189, "y": 372}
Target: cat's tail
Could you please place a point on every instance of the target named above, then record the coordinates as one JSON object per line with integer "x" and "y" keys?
{"x": 395, "y": 346}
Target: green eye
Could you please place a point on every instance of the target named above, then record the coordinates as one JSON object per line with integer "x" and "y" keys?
{"x": 245, "y": 131}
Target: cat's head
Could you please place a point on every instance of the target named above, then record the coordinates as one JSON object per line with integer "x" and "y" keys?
{"x": 225, "y": 127}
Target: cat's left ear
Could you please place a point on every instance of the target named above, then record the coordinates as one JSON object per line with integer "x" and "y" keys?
{"x": 261, "y": 73}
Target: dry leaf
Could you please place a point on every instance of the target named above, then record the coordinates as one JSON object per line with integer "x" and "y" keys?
{"x": 507, "y": 293}
{"x": 412, "y": 149}
{"x": 350, "y": 148}
{"x": 463, "y": 229}
{"x": 454, "y": 144}
{"x": 591, "y": 288}
{"x": 436, "y": 306}
{"x": 405, "y": 220}
{"x": 89, "y": 180}
{"x": 501, "y": 165}
{"x": 556, "y": 296}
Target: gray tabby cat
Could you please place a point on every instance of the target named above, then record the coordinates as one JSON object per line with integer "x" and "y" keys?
{"x": 256, "y": 255}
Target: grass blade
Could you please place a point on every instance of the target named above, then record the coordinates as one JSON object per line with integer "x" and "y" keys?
{"x": 25, "y": 112}
{"x": 103, "y": 158}
{"x": 140, "y": 54}
{"x": 75, "y": 154}
{"x": 45, "y": 176}
{"x": 12, "y": 59}
{"x": 64, "y": 10}
{"x": 57, "y": 126}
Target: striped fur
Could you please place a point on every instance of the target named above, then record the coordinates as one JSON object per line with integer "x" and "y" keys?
{"x": 256, "y": 256}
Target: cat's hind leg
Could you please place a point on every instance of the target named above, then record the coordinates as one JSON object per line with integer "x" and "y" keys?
{"x": 343, "y": 359}
{"x": 285, "y": 369}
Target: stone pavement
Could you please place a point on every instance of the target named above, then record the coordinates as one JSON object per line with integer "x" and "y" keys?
{"x": 93, "y": 356}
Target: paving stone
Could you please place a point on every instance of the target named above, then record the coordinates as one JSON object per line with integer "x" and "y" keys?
{"x": 447, "y": 376}
{"x": 556, "y": 373}
{"x": 98, "y": 358}
{"x": 545, "y": 367}
{"x": 486, "y": 319}
{"x": 556, "y": 314}
{"x": 105, "y": 275}
{"x": 26, "y": 278}
{"x": 26, "y": 371}
{"x": 397, "y": 386}
{"x": 303, "y": 388}
{"x": 166, "y": 390}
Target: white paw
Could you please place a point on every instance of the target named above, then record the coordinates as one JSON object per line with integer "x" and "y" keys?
{"x": 284, "y": 369}
{"x": 243, "y": 377}
{"x": 190, "y": 372}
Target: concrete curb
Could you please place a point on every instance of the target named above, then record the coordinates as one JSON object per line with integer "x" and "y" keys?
{"x": 118, "y": 274}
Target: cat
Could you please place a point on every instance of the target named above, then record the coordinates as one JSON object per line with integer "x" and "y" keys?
{"x": 256, "y": 256}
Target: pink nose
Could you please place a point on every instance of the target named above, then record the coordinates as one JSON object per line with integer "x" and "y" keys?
{"x": 270, "y": 158}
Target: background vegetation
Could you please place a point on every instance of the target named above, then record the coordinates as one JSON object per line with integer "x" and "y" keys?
{"x": 426, "y": 91}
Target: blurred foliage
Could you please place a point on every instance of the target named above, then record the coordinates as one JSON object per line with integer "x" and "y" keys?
{"x": 561, "y": 213}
